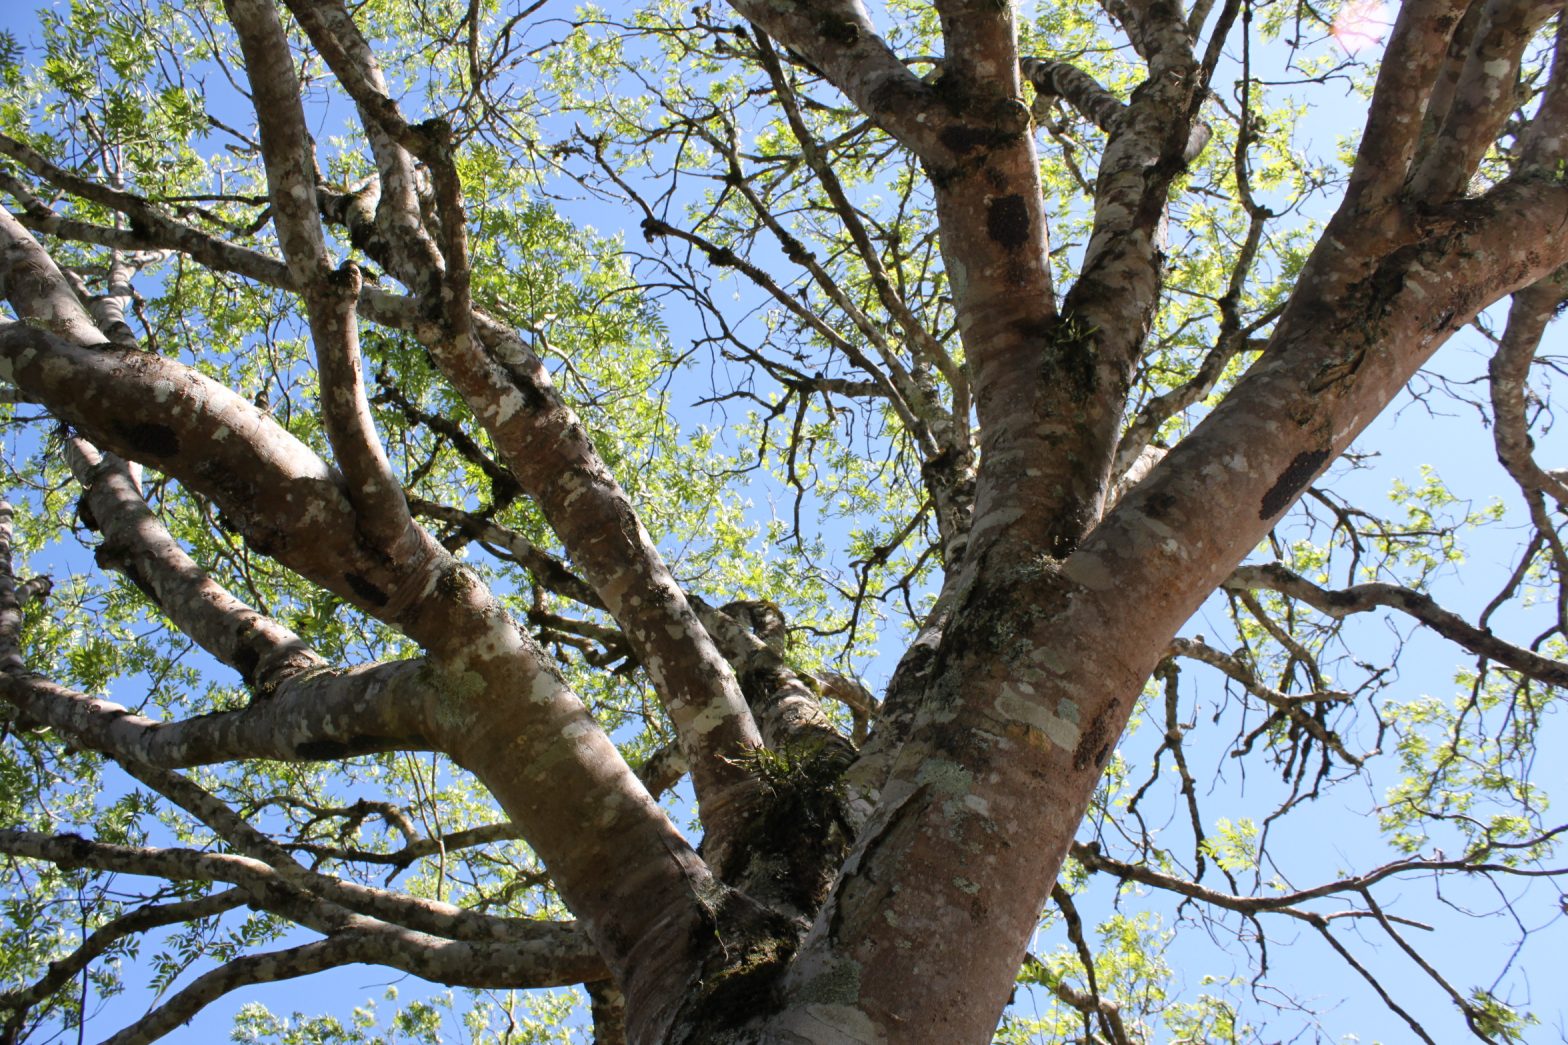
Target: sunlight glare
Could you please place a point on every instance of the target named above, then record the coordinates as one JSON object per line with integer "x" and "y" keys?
{"x": 1361, "y": 24}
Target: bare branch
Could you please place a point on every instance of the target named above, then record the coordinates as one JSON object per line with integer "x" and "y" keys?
{"x": 1096, "y": 1004}
{"x": 151, "y": 226}
{"x": 923, "y": 342}
{"x": 550, "y": 572}
{"x": 317, "y": 901}
{"x": 1289, "y": 902}
{"x": 1287, "y": 704}
{"x": 1363, "y": 597}
{"x": 148, "y": 916}
{"x": 1508, "y": 377}
{"x": 1375, "y": 984}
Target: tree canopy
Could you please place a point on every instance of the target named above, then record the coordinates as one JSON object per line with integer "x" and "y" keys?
{"x": 783, "y": 522}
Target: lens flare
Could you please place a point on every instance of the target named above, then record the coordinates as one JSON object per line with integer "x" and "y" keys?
{"x": 1361, "y": 24}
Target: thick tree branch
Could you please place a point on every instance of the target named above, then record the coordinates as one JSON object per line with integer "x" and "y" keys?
{"x": 548, "y": 449}
{"x": 397, "y": 231}
{"x": 314, "y": 715}
{"x": 1483, "y": 97}
{"x": 1417, "y": 49}
{"x": 316, "y": 900}
{"x": 372, "y": 488}
{"x": 608, "y": 1007}
{"x": 1080, "y": 90}
{"x": 784, "y": 701}
{"x": 286, "y": 146}
{"x": 1090, "y": 350}
{"x": 136, "y": 543}
{"x": 246, "y": 971}
{"x": 282, "y": 498}
{"x": 502, "y": 710}
{"x": 1447, "y": 82}
{"x": 330, "y": 296}
{"x": 443, "y": 961}
{"x": 541, "y": 440}
{"x": 838, "y": 39}
{"x": 980, "y": 43}
{"x": 1543, "y": 144}
{"x": 1037, "y": 725}
{"x": 11, "y": 601}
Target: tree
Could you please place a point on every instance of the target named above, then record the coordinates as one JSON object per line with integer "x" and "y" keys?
{"x": 1024, "y": 324}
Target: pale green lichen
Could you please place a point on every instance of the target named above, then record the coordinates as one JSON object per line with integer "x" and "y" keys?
{"x": 948, "y": 778}
{"x": 837, "y": 983}
{"x": 455, "y": 692}
{"x": 1060, "y": 726}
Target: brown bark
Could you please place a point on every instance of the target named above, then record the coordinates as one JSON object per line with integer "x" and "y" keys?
{"x": 537, "y": 435}
{"x": 495, "y": 703}
{"x": 1032, "y": 691}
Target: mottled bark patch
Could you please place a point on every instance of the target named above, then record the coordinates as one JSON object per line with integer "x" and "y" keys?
{"x": 1341, "y": 598}
{"x": 75, "y": 850}
{"x": 840, "y": 31}
{"x": 1007, "y": 221}
{"x": 1158, "y": 505}
{"x": 964, "y": 138}
{"x": 326, "y": 750}
{"x": 746, "y": 949}
{"x": 1095, "y": 746}
{"x": 1290, "y": 482}
{"x": 246, "y": 660}
{"x": 150, "y": 439}
{"x": 265, "y": 542}
{"x": 365, "y": 590}
{"x": 1072, "y": 358}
